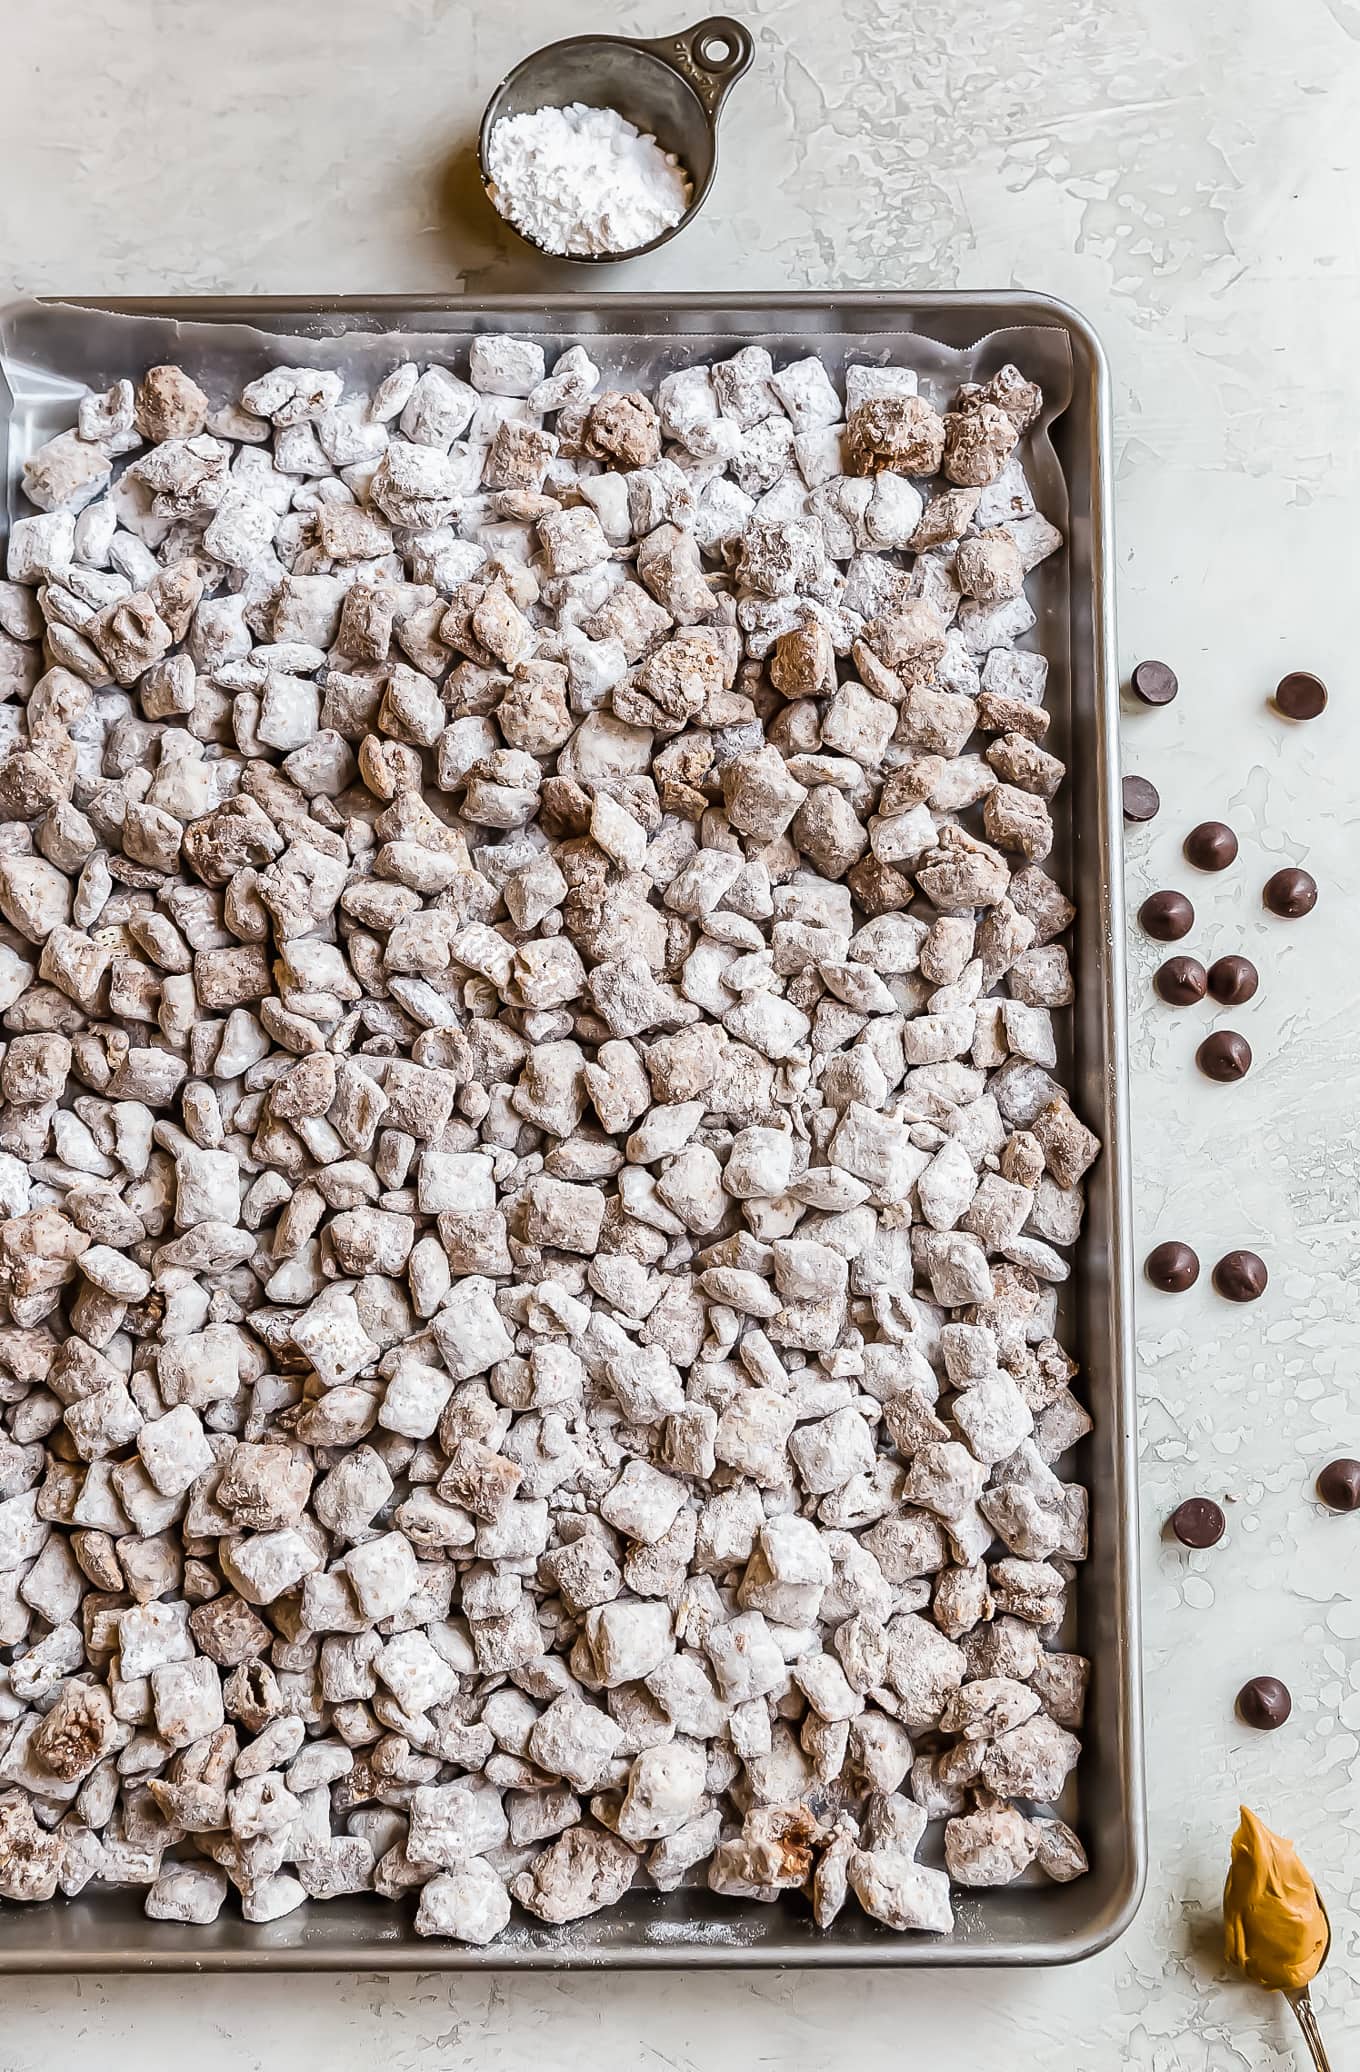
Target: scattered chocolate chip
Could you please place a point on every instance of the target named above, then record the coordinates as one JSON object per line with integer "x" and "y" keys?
{"x": 1167, "y": 916}
{"x": 1142, "y": 800}
{"x": 1198, "y": 1522}
{"x": 1225, "y": 1055}
{"x": 1264, "y": 1702}
{"x": 1172, "y": 1267}
{"x": 1241, "y": 1276}
{"x": 1154, "y": 682}
{"x": 1233, "y": 980}
{"x": 1211, "y": 846}
{"x": 1300, "y": 695}
{"x": 1291, "y": 894}
{"x": 1339, "y": 1485}
{"x": 1181, "y": 981}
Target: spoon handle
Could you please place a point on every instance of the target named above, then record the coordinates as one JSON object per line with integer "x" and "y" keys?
{"x": 1303, "y": 2008}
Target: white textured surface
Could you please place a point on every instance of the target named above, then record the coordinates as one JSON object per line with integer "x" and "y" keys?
{"x": 1186, "y": 175}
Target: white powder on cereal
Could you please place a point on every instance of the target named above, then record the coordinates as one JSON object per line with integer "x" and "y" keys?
{"x": 582, "y": 181}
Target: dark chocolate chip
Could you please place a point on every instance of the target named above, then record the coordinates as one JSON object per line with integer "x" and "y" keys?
{"x": 1241, "y": 1276}
{"x": 1198, "y": 1522}
{"x": 1167, "y": 916}
{"x": 1291, "y": 894}
{"x": 1181, "y": 981}
{"x": 1339, "y": 1485}
{"x": 1300, "y": 695}
{"x": 1154, "y": 682}
{"x": 1172, "y": 1267}
{"x": 1264, "y": 1703}
{"x": 1233, "y": 980}
{"x": 1225, "y": 1055}
{"x": 1142, "y": 801}
{"x": 1211, "y": 846}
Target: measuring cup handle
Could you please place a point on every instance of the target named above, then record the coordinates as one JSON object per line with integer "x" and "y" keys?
{"x": 711, "y": 57}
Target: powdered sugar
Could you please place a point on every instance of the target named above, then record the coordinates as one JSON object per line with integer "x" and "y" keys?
{"x": 581, "y": 181}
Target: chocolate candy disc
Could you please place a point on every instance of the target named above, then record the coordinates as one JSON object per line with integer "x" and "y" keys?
{"x": 1291, "y": 894}
{"x": 1167, "y": 916}
{"x": 1172, "y": 1267}
{"x": 1224, "y": 1056}
{"x": 1241, "y": 1276}
{"x": 1181, "y": 981}
{"x": 1154, "y": 682}
{"x": 1233, "y": 980}
{"x": 1198, "y": 1522}
{"x": 1142, "y": 801}
{"x": 1265, "y": 1703}
{"x": 1211, "y": 846}
{"x": 1339, "y": 1485}
{"x": 1301, "y": 695}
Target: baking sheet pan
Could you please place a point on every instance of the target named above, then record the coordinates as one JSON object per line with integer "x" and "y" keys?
{"x": 50, "y": 352}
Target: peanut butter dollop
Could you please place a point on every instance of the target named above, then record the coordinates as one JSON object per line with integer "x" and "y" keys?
{"x": 1274, "y": 1925}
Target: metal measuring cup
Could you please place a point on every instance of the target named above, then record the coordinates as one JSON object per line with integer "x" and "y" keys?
{"x": 669, "y": 87}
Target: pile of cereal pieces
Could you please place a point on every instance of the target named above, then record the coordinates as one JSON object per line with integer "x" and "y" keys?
{"x": 534, "y": 1181}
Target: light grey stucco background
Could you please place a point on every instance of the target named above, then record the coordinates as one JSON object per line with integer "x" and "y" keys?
{"x": 1185, "y": 171}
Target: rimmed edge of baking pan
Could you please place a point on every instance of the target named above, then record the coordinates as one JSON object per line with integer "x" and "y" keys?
{"x": 1018, "y": 1925}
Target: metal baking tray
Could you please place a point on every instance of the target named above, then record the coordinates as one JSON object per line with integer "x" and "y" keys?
{"x": 49, "y": 351}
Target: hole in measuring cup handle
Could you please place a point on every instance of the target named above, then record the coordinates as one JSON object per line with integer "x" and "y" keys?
{"x": 719, "y": 45}
{"x": 715, "y": 52}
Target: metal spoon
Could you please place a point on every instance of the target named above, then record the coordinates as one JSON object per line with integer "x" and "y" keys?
{"x": 1303, "y": 2007}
